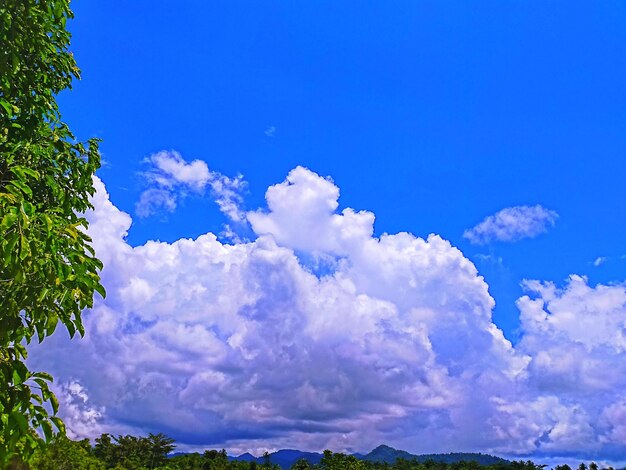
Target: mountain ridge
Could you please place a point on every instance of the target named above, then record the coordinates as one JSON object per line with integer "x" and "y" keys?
{"x": 382, "y": 453}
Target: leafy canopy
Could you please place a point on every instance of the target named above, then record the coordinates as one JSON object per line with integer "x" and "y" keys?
{"x": 154, "y": 453}
{"x": 48, "y": 270}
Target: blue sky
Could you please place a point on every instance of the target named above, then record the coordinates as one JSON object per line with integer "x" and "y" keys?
{"x": 430, "y": 115}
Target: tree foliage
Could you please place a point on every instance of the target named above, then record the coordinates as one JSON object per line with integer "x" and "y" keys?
{"x": 48, "y": 270}
{"x": 132, "y": 452}
{"x": 151, "y": 453}
{"x": 65, "y": 454}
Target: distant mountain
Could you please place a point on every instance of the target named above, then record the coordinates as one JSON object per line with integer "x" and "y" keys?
{"x": 247, "y": 457}
{"x": 482, "y": 459}
{"x": 388, "y": 454}
{"x": 287, "y": 457}
{"x": 284, "y": 457}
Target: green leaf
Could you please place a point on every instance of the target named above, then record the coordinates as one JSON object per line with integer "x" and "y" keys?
{"x": 44, "y": 376}
{"x": 42, "y": 383}
{"x": 21, "y": 171}
{"x": 7, "y": 221}
{"x": 10, "y": 246}
{"x": 42, "y": 294}
{"x": 17, "y": 378}
{"x": 100, "y": 289}
{"x": 7, "y": 106}
{"x": 21, "y": 186}
{"x": 20, "y": 420}
{"x": 47, "y": 430}
{"x": 55, "y": 404}
{"x": 24, "y": 248}
{"x": 58, "y": 423}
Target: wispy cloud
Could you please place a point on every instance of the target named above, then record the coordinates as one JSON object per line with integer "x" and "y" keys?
{"x": 512, "y": 224}
{"x": 270, "y": 131}
{"x": 171, "y": 178}
{"x": 155, "y": 200}
{"x": 491, "y": 259}
{"x": 599, "y": 260}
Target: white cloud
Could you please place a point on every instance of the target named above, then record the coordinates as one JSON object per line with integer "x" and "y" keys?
{"x": 512, "y": 224}
{"x": 270, "y": 131}
{"x": 599, "y": 260}
{"x": 171, "y": 178}
{"x": 227, "y": 193}
{"x": 579, "y": 315}
{"x": 543, "y": 425}
{"x": 302, "y": 216}
{"x": 576, "y": 336}
{"x": 154, "y": 200}
{"x": 81, "y": 419}
{"x": 169, "y": 169}
{"x": 614, "y": 416}
{"x": 243, "y": 346}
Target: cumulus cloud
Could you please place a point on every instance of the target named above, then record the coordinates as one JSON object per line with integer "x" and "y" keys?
{"x": 576, "y": 337}
{"x": 247, "y": 346}
{"x": 170, "y": 178}
{"x": 81, "y": 419}
{"x": 512, "y": 224}
{"x": 301, "y": 215}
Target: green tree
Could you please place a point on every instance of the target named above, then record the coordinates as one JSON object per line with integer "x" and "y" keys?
{"x": 65, "y": 454}
{"x": 339, "y": 461}
{"x": 187, "y": 461}
{"x": 48, "y": 270}
{"x": 267, "y": 463}
{"x": 301, "y": 464}
{"x": 131, "y": 452}
{"x": 159, "y": 445}
{"x": 215, "y": 460}
{"x": 105, "y": 450}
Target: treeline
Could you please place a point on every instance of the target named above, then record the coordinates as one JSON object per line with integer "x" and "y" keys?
{"x": 153, "y": 453}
